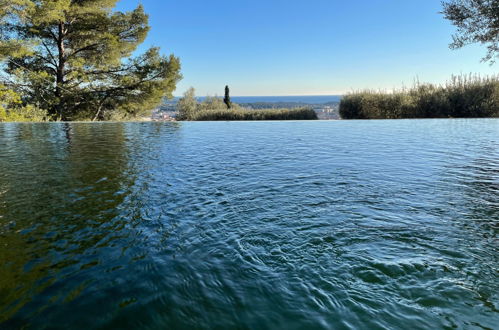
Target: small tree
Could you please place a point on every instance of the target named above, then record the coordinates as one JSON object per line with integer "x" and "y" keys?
{"x": 227, "y": 101}
{"x": 187, "y": 105}
{"x": 212, "y": 103}
{"x": 477, "y": 21}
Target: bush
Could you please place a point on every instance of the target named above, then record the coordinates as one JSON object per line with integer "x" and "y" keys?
{"x": 11, "y": 108}
{"x": 214, "y": 108}
{"x": 242, "y": 114}
{"x": 462, "y": 96}
{"x": 23, "y": 114}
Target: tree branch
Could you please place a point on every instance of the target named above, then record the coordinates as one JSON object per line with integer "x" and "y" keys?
{"x": 54, "y": 62}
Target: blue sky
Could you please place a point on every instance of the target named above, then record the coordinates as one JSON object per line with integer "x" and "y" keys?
{"x": 313, "y": 47}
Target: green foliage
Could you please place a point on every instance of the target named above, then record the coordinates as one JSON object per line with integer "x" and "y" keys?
{"x": 187, "y": 105}
{"x": 227, "y": 101}
{"x": 477, "y": 21}
{"x": 73, "y": 59}
{"x": 11, "y": 108}
{"x": 26, "y": 113}
{"x": 244, "y": 114}
{"x": 212, "y": 103}
{"x": 463, "y": 96}
{"x": 214, "y": 108}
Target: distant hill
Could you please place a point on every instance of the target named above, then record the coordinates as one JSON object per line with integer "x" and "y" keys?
{"x": 304, "y": 100}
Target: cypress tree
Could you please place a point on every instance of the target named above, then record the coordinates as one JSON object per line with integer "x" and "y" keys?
{"x": 227, "y": 101}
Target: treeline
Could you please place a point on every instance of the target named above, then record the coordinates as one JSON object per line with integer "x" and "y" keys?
{"x": 276, "y": 105}
{"x": 214, "y": 109}
{"x": 287, "y": 105}
{"x": 462, "y": 96}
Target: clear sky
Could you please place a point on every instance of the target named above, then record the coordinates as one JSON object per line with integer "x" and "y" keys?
{"x": 306, "y": 47}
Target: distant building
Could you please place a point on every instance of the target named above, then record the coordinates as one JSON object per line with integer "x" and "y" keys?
{"x": 166, "y": 112}
{"x": 327, "y": 112}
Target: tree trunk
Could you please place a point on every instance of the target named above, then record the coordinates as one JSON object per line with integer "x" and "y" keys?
{"x": 98, "y": 114}
{"x": 60, "y": 72}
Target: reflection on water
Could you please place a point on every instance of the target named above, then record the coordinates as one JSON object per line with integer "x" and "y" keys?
{"x": 363, "y": 224}
{"x": 62, "y": 186}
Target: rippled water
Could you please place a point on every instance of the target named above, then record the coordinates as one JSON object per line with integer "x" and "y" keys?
{"x": 282, "y": 225}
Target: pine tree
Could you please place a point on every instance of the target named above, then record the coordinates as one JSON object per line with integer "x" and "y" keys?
{"x": 76, "y": 58}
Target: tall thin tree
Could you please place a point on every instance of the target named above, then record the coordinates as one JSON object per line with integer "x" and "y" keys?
{"x": 227, "y": 101}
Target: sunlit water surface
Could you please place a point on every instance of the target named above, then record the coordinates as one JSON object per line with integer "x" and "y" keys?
{"x": 263, "y": 225}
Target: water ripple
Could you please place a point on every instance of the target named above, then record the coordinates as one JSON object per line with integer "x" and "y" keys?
{"x": 351, "y": 225}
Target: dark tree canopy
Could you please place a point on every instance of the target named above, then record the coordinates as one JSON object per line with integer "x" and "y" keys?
{"x": 73, "y": 58}
{"x": 477, "y": 21}
{"x": 227, "y": 101}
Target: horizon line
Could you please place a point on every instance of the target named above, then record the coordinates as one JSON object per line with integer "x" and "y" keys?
{"x": 287, "y": 95}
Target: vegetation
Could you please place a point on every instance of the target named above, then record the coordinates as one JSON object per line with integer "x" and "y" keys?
{"x": 187, "y": 105}
{"x": 227, "y": 101}
{"x": 245, "y": 114}
{"x": 11, "y": 108}
{"x": 72, "y": 59}
{"x": 214, "y": 108}
{"x": 477, "y": 21}
{"x": 287, "y": 105}
{"x": 463, "y": 96}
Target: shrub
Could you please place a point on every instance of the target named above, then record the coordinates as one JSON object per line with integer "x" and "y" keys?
{"x": 462, "y": 96}
{"x": 214, "y": 108}
{"x": 11, "y": 108}
{"x": 243, "y": 114}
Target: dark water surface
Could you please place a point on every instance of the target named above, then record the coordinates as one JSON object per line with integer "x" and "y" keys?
{"x": 263, "y": 225}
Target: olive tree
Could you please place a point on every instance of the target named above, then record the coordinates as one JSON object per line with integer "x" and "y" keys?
{"x": 477, "y": 21}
